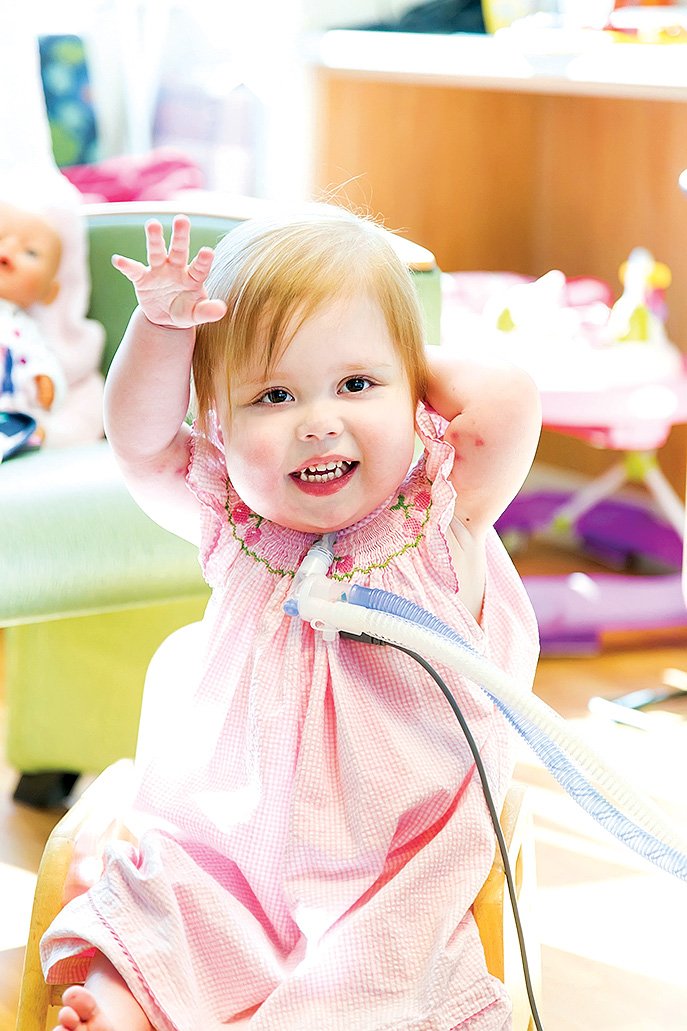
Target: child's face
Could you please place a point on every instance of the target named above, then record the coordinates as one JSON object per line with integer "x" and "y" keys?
{"x": 338, "y": 397}
{"x": 30, "y": 252}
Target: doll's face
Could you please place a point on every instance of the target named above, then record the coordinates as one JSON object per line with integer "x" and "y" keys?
{"x": 328, "y": 435}
{"x": 30, "y": 251}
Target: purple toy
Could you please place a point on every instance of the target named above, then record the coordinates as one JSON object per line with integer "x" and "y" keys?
{"x": 573, "y": 611}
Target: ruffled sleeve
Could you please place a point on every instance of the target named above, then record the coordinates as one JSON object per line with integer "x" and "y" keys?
{"x": 439, "y": 459}
{"x": 207, "y": 479}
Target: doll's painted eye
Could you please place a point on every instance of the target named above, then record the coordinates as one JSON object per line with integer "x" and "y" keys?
{"x": 31, "y": 253}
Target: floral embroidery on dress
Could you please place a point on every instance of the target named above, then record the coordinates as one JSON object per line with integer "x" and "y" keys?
{"x": 413, "y": 517}
{"x": 240, "y": 515}
{"x": 402, "y": 524}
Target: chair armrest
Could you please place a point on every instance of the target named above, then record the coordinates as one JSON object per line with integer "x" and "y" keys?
{"x": 75, "y": 543}
{"x": 491, "y": 908}
{"x": 92, "y": 822}
{"x": 93, "y": 815}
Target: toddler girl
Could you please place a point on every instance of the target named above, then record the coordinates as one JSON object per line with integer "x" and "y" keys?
{"x": 312, "y": 834}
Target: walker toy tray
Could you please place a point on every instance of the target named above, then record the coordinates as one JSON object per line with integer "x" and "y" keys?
{"x": 621, "y": 534}
{"x": 573, "y": 611}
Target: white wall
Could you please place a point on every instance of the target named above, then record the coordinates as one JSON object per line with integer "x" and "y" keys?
{"x": 211, "y": 46}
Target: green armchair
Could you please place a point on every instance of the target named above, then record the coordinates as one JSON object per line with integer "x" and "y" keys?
{"x": 90, "y": 585}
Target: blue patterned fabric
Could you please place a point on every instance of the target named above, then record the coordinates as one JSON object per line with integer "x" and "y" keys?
{"x": 66, "y": 85}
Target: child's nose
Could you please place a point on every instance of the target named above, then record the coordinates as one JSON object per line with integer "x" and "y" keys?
{"x": 319, "y": 423}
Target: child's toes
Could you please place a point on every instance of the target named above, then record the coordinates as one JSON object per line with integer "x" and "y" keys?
{"x": 81, "y": 1003}
{"x": 69, "y": 1019}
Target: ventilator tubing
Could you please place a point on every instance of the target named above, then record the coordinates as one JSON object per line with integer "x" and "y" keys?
{"x": 586, "y": 777}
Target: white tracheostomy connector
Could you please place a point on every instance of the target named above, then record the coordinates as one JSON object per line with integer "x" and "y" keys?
{"x": 311, "y": 582}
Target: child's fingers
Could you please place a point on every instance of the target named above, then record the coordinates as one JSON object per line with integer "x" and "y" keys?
{"x": 180, "y": 241}
{"x": 155, "y": 243}
{"x": 133, "y": 270}
{"x": 201, "y": 264}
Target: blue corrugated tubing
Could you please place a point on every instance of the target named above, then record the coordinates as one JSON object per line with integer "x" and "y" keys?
{"x": 551, "y": 754}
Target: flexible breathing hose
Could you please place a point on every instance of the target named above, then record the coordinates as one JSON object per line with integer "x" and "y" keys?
{"x": 586, "y": 777}
{"x": 599, "y": 790}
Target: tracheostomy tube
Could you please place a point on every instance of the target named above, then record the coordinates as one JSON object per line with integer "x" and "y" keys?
{"x": 587, "y": 778}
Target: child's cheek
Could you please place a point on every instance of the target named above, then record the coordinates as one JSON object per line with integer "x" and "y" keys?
{"x": 258, "y": 458}
{"x": 395, "y": 430}
{"x": 253, "y": 454}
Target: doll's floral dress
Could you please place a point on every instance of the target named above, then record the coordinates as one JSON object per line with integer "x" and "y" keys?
{"x": 313, "y": 831}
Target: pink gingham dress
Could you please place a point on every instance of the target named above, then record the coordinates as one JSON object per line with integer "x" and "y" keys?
{"x": 314, "y": 834}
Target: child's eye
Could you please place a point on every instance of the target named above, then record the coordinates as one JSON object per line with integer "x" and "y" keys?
{"x": 355, "y": 385}
{"x": 31, "y": 253}
{"x": 275, "y": 396}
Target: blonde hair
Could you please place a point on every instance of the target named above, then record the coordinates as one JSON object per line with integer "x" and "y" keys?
{"x": 274, "y": 274}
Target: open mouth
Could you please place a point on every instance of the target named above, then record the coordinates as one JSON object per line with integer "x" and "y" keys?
{"x": 324, "y": 472}
{"x": 324, "y": 478}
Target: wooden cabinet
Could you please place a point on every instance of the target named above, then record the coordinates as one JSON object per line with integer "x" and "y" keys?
{"x": 525, "y": 175}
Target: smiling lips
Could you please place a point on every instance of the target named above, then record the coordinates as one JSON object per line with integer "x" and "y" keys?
{"x": 324, "y": 477}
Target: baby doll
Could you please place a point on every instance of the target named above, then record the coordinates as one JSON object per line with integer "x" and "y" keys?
{"x": 31, "y": 379}
{"x": 311, "y": 833}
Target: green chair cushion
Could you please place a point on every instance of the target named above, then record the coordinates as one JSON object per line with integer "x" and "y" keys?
{"x": 80, "y": 544}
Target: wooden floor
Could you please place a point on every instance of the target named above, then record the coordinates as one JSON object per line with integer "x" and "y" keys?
{"x": 613, "y": 929}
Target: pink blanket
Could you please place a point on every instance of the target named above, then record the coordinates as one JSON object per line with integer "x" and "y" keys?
{"x": 158, "y": 175}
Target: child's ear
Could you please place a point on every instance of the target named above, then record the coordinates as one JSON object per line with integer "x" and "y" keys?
{"x": 51, "y": 293}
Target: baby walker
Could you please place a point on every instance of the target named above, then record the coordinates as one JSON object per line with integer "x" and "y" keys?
{"x": 608, "y": 375}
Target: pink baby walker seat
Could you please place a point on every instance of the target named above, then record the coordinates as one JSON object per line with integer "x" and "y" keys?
{"x": 609, "y": 375}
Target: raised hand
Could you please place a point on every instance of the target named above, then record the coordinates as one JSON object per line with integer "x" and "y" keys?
{"x": 170, "y": 289}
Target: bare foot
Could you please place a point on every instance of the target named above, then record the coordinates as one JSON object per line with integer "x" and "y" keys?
{"x": 81, "y": 1012}
{"x": 105, "y": 987}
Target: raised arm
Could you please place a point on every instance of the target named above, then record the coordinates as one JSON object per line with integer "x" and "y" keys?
{"x": 148, "y": 386}
{"x": 494, "y": 415}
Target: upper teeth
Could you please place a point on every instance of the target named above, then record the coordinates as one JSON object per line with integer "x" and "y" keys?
{"x": 328, "y": 471}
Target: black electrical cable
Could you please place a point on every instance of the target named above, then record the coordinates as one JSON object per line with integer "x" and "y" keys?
{"x": 488, "y": 797}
